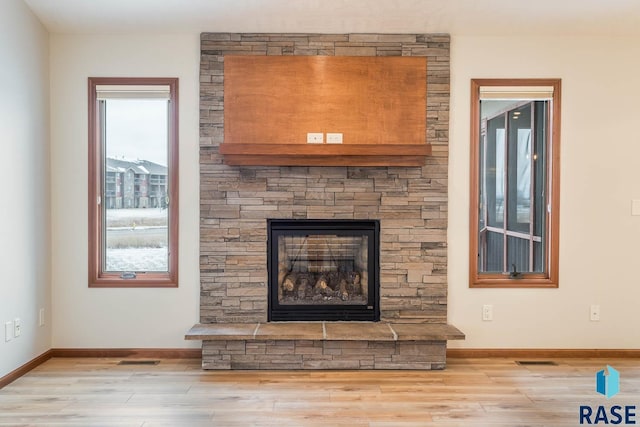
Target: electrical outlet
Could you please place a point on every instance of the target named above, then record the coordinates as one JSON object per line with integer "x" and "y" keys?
{"x": 334, "y": 138}
{"x": 595, "y": 313}
{"x": 315, "y": 138}
{"x": 487, "y": 312}
{"x": 17, "y": 327}
{"x": 8, "y": 331}
{"x": 41, "y": 317}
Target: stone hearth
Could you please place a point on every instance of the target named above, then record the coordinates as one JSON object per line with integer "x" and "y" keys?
{"x": 324, "y": 345}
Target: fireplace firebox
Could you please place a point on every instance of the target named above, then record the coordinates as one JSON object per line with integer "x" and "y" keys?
{"x": 323, "y": 270}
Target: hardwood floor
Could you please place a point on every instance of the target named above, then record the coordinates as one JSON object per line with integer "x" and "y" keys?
{"x": 470, "y": 392}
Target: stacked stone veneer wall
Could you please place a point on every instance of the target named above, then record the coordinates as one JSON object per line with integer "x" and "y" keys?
{"x": 305, "y": 354}
{"x": 410, "y": 202}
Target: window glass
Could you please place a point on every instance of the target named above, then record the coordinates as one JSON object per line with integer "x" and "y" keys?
{"x": 494, "y": 178}
{"x": 520, "y": 170}
{"x": 135, "y": 190}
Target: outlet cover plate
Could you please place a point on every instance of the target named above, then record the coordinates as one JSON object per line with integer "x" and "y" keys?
{"x": 487, "y": 312}
{"x": 315, "y": 138}
{"x": 17, "y": 327}
{"x": 8, "y": 331}
{"x": 334, "y": 138}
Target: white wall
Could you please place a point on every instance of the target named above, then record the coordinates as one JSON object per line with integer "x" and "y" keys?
{"x": 25, "y": 197}
{"x": 600, "y": 168}
{"x": 118, "y": 318}
{"x": 600, "y": 177}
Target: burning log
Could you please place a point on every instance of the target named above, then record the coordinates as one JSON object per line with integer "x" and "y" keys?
{"x": 333, "y": 278}
{"x": 289, "y": 282}
{"x": 295, "y": 284}
{"x": 354, "y": 286}
{"x": 342, "y": 290}
{"x": 283, "y": 271}
{"x": 322, "y": 286}
{"x": 303, "y": 286}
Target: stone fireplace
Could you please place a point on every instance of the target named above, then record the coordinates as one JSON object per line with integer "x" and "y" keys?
{"x": 237, "y": 203}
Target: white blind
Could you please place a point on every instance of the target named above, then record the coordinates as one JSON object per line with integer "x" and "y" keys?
{"x": 132, "y": 91}
{"x": 516, "y": 92}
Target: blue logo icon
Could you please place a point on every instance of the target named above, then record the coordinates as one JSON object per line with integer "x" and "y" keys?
{"x": 608, "y": 384}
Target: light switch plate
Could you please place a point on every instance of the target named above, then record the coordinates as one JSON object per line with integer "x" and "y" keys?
{"x": 8, "y": 331}
{"x": 635, "y": 207}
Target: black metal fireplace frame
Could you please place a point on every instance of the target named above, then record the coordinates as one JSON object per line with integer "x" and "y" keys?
{"x": 283, "y": 312}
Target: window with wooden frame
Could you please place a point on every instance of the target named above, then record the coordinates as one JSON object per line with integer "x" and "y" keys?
{"x": 133, "y": 182}
{"x": 515, "y": 182}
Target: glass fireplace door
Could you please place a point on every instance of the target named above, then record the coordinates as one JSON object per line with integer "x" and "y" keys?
{"x": 323, "y": 270}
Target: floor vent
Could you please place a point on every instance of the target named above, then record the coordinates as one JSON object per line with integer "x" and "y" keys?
{"x": 536, "y": 363}
{"x": 138, "y": 362}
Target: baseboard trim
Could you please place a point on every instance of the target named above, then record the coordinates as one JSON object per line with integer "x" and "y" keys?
{"x": 155, "y": 353}
{"x": 17, "y": 373}
{"x": 542, "y": 353}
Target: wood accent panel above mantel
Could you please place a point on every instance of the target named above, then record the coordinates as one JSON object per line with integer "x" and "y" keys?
{"x": 378, "y": 104}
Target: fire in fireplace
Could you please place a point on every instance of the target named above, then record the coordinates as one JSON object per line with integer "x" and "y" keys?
{"x": 323, "y": 270}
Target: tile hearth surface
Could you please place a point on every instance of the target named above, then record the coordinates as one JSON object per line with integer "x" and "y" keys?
{"x": 325, "y": 331}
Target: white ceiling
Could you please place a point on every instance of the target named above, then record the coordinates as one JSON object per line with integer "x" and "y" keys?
{"x": 457, "y": 17}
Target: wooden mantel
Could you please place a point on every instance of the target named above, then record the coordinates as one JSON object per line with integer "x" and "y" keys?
{"x": 378, "y": 104}
{"x": 324, "y": 154}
